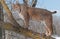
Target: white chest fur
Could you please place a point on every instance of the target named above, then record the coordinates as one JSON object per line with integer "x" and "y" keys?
{"x": 21, "y": 16}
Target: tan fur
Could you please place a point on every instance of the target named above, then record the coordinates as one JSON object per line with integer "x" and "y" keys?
{"x": 37, "y": 14}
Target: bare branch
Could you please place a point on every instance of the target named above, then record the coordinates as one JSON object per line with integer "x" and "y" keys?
{"x": 34, "y": 2}
{"x": 13, "y": 21}
{"x": 25, "y": 2}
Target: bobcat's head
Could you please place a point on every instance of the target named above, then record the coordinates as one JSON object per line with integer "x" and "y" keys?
{"x": 16, "y": 7}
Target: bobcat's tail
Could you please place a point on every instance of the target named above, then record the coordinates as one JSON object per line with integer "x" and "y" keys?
{"x": 54, "y": 12}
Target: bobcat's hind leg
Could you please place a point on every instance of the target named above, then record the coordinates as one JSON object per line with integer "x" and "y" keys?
{"x": 49, "y": 27}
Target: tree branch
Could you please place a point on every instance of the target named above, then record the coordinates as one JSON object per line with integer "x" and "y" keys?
{"x": 25, "y": 32}
{"x": 34, "y": 2}
{"x": 13, "y": 21}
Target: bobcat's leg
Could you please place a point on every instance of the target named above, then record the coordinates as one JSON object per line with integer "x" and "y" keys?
{"x": 46, "y": 28}
{"x": 47, "y": 31}
{"x": 49, "y": 27}
{"x": 26, "y": 22}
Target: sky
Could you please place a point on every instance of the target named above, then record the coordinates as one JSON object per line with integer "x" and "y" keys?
{"x": 49, "y": 4}
{"x": 53, "y": 5}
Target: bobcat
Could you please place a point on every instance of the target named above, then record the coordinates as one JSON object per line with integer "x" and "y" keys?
{"x": 26, "y": 13}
